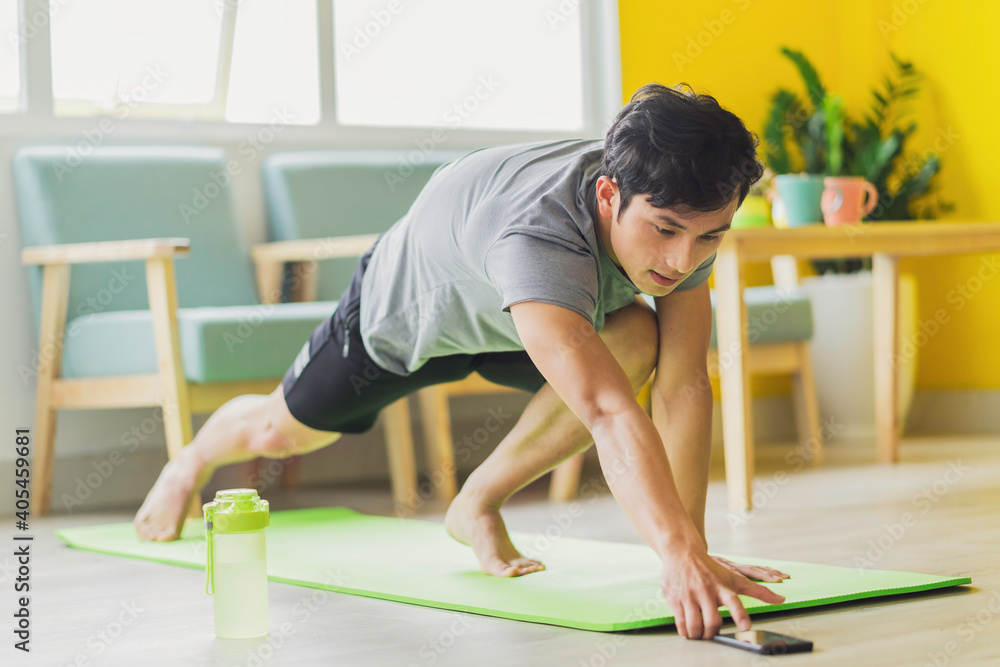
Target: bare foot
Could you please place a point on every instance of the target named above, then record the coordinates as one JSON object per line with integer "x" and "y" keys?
{"x": 483, "y": 529}
{"x": 162, "y": 514}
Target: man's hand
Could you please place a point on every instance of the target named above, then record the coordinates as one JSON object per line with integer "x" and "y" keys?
{"x": 754, "y": 572}
{"x": 695, "y": 585}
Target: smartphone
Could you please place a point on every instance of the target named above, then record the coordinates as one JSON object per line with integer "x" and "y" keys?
{"x": 764, "y": 642}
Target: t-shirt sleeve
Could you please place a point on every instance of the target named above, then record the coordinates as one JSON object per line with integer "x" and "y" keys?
{"x": 699, "y": 276}
{"x": 536, "y": 265}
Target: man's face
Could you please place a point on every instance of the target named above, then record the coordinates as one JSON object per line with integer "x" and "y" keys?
{"x": 657, "y": 248}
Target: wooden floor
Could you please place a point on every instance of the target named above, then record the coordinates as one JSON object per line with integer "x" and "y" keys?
{"x": 92, "y": 609}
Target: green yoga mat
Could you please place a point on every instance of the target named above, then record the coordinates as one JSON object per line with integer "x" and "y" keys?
{"x": 591, "y": 585}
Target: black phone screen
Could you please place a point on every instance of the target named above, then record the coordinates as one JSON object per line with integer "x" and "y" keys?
{"x": 764, "y": 641}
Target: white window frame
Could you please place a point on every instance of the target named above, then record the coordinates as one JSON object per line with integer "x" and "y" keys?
{"x": 601, "y": 88}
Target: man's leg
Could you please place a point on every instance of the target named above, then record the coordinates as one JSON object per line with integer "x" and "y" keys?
{"x": 244, "y": 428}
{"x": 547, "y": 434}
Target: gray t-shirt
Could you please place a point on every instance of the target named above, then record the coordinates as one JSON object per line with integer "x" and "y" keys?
{"x": 493, "y": 228}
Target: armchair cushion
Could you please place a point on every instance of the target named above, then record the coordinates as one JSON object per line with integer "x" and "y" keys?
{"x": 774, "y": 315}
{"x": 218, "y": 344}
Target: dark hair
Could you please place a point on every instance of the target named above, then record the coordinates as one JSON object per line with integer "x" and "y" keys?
{"x": 680, "y": 148}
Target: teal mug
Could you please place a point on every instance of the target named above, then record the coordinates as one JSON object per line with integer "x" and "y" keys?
{"x": 802, "y": 195}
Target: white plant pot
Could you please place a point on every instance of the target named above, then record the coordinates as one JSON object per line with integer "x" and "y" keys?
{"x": 843, "y": 350}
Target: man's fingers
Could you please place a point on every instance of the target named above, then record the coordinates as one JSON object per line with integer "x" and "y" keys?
{"x": 766, "y": 574}
{"x": 693, "y": 615}
{"x": 713, "y": 619}
{"x": 736, "y": 610}
{"x": 777, "y": 573}
{"x": 680, "y": 622}
{"x": 762, "y": 593}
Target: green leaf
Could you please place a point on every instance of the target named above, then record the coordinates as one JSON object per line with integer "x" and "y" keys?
{"x": 833, "y": 109}
{"x": 809, "y": 76}
{"x": 775, "y": 151}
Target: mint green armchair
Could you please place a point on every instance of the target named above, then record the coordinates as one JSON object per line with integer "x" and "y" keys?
{"x": 143, "y": 290}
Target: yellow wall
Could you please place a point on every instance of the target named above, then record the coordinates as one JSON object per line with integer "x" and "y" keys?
{"x": 848, "y": 41}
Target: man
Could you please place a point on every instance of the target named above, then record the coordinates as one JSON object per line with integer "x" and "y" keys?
{"x": 523, "y": 263}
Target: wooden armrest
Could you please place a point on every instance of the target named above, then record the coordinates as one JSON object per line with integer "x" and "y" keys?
{"x": 310, "y": 250}
{"x": 106, "y": 251}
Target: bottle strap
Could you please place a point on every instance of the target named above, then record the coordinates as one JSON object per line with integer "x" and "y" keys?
{"x": 210, "y": 567}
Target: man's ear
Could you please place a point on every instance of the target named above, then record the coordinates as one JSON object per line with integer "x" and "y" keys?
{"x": 607, "y": 188}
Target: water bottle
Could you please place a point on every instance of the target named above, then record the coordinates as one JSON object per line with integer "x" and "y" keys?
{"x": 236, "y": 572}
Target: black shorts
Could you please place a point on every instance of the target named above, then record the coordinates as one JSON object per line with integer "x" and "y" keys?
{"x": 333, "y": 385}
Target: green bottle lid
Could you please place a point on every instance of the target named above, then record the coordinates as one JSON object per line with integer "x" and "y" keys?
{"x": 232, "y": 511}
{"x": 236, "y": 511}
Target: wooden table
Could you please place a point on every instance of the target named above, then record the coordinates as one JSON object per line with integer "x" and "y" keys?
{"x": 885, "y": 242}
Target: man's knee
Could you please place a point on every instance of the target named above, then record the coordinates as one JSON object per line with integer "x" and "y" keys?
{"x": 274, "y": 433}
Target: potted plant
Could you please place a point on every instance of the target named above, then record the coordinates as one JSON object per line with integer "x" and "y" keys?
{"x": 818, "y": 135}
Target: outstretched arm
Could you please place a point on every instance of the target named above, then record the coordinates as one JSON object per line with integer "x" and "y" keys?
{"x": 682, "y": 395}
{"x": 682, "y": 405}
{"x": 582, "y": 370}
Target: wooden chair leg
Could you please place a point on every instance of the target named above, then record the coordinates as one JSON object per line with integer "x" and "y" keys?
{"x": 436, "y": 419}
{"x": 44, "y": 453}
{"x": 807, "y": 407}
{"x": 290, "y": 473}
{"x": 162, "y": 291}
{"x": 566, "y": 479}
{"x": 399, "y": 443}
{"x": 55, "y": 294}
{"x": 249, "y": 473}
{"x": 734, "y": 380}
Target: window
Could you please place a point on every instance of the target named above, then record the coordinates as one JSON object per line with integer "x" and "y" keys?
{"x": 275, "y": 62}
{"x": 192, "y": 59}
{"x": 512, "y": 65}
{"x": 10, "y": 57}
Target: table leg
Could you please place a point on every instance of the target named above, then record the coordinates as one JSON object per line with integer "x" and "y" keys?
{"x": 734, "y": 375}
{"x": 885, "y": 279}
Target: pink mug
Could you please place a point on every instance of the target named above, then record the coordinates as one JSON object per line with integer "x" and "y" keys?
{"x": 843, "y": 200}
